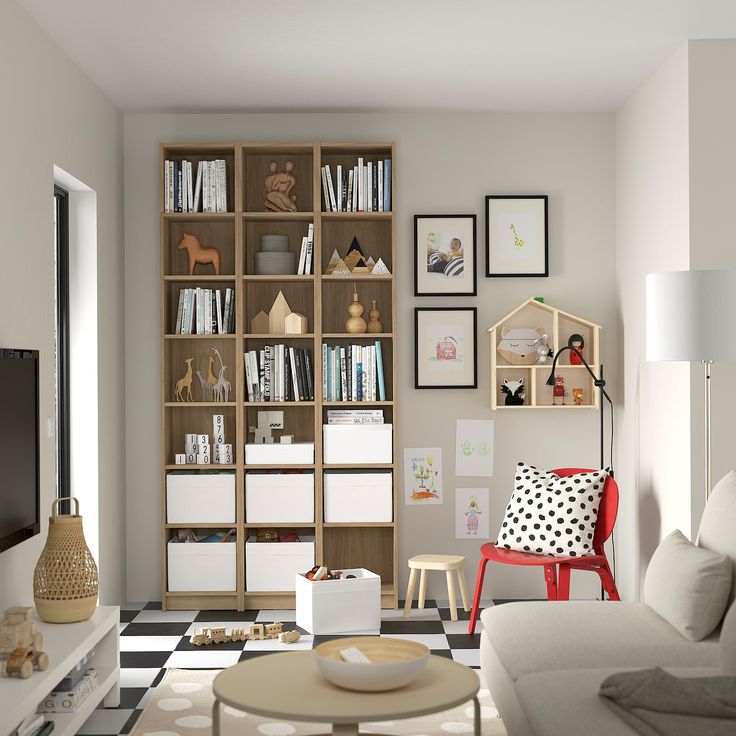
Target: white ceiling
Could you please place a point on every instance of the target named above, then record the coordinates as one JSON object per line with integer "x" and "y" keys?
{"x": 310, "y": 55}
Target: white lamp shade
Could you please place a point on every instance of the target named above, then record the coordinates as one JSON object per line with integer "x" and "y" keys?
{"x": 691, "y": 315}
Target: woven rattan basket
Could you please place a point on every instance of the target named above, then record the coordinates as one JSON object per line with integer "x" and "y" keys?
{"x": 65, "y": 581}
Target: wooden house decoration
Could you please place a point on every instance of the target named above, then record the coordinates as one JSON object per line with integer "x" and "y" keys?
{"x": 296, "y": 324}
{"x": 519, "y": 351}
{"x": 259, "y": 325}
{"x": 278, "y": 314}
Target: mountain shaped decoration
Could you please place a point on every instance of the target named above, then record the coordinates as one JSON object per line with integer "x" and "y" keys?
{"x": 355, "y": 262}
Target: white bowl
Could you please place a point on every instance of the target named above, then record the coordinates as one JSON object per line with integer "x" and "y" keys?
{"x": 394, "y": 663}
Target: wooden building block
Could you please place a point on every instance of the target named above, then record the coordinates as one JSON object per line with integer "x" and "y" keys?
{"x": 296, "y": 324}
{"x": 259, "y": 324}
{"x": 278, "y": 314}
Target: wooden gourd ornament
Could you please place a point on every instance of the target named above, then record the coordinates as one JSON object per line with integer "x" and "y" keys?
{"x": 374, "y": 323}
{"x": 355, "y": 323}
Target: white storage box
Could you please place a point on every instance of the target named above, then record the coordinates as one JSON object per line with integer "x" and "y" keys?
{"x": 339, "y": 606}
{"x": 297, "y": 453}
{"x": 358, "y": 497}
{"x": 274, "y": 565}
{"x": 201, "y": 567}
{"x": 358, "y": 443}
{"x": 195, "y": 498}
{"x": 279, "y": 498}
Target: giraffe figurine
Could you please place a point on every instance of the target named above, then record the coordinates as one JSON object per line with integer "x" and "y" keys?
{"x": 211, "y": 377}
{"x": 221, "y": 389}
{"x": 518, "y": 242}
{"x": 205, "y": 385}
{"x": 185, "y": 382}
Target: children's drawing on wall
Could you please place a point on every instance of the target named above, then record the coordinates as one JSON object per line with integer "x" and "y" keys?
{"x": 474, "y": 447}
{"x": 423, "y": 475}
{"x": 471, "y": 513}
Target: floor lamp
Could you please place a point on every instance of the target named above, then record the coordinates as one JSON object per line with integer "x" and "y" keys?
{"x": 691, "y": 316}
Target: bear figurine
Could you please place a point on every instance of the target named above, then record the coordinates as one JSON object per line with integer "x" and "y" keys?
{"x": 518, "y": 345}
{"x": 514, "y": 391}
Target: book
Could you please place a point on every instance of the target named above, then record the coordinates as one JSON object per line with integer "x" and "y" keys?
{"x": 380, "y": 186}
{"x": 330, "y": 188}
{"x": 343, "y": 375}
{"x": 379, "y": 369}
{"x": 310, "y": 249}
{"x": 349, "y": 206}
{"x": 302, "y": 257}
{"x": 338, "y": 192}
{"x": 325, "y": 190}
{"x": 222, "y": 185}
{"x": 248, "y": 381}
{"x": 197, "y": 189}
{"x": 325, "y": 394}
{"x": 295, "y": 383}
{"x": 254, "y": 376}
{"x": 308, "y": 370}
{"x": 369, "y": 188}
{"x": 387, "y": 185}
{"x": 361, "y": 185}
{"x": 179, "y": 311}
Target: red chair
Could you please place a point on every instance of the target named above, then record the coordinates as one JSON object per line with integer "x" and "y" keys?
{"x": 558, "y": 583}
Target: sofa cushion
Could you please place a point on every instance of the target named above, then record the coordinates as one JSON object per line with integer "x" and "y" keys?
{"x": 536, "y": 636}
{"x": 567, "y": 703}
{"x": 727, "y": 644}
{"x": 719, "y": 521}
{"x": 688, "y": 585}
{"x": 550, "y": 515}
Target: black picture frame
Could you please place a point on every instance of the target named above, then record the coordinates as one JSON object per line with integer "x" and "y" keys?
{"x": 543, "y": 270}
{"x": 420, "y": 289}
{"x": 418, "y": 384}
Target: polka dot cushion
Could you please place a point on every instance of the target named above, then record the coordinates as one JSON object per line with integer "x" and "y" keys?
{"x": 550, "y": 515}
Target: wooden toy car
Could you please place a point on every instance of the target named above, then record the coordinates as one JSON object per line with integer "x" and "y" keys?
{"x": 18, "y": 629}
{"x": 23, "y": 660}
{"x": 289, "y": 637}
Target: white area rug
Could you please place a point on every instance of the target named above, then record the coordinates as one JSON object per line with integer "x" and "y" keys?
{"x": 182, "y": 706}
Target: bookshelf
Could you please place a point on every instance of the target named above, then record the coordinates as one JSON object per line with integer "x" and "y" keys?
{"x": 323, "y": 299}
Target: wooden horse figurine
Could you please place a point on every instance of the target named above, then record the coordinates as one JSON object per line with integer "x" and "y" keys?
{"x": 185, "y": 383}
{"x": 198, "y": 253}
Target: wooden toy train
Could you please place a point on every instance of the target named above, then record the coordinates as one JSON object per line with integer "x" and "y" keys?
{"x": 220, "y": 635}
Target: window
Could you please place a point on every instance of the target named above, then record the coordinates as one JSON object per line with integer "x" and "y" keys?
{"x": 62, "y": 433}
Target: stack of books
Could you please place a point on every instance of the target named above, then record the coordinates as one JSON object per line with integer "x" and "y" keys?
{"x": 353, "y": 373}
{"x": 366, "y": 187}
{"x": 205, "y": 312}
{"x": 183, "y": 194}
{"x": 354, "y": 416}
{"x": 279, "y": 373}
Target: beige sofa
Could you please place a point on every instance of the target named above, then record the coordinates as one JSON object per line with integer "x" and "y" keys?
{"x": 544, "y": 662}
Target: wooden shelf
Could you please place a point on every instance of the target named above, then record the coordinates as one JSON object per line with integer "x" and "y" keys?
{"x": 211, "y": 466}
{"x": 322, "y": 299}
{"x": 277, "y": 277}
{"x": 226, "y": 336}
{"x": 276, "y": 405}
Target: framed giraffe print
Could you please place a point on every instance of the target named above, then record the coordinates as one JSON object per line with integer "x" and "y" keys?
{"x": 516, "y": 235}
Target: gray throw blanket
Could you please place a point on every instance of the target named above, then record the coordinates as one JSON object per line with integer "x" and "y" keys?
{"x": 655, "y": 703}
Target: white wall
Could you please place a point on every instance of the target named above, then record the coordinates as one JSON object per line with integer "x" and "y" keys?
{"x": 53, "y": 115}
{"x": 652, "y": 222}
{"x": 712, "y": 243}
{"x": 446, "y": 163}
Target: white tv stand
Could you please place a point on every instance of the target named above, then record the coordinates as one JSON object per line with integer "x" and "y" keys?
{"x": 67, "y": 644}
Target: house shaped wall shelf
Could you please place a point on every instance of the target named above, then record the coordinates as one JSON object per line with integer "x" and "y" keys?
{"x": 516, "y": 336}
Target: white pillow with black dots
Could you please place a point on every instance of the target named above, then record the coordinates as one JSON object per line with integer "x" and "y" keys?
{"x": 552, "y": 515}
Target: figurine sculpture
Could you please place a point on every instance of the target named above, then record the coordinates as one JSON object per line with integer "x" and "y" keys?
{"x": 221, "y": 389}
{"x": 577, "y": 397}
{"x": 198, "y": 253}
{"x": 355, "y": 323}
{"x": 278, "y": 188}
{"x": 558, "y": 392}
{"x": 374, "y": 317}
{"x": 185, "y": 382}
{"x": 544, "y": 352}
{"x": 576, "y": 341}
{"x": 514, "y": 390}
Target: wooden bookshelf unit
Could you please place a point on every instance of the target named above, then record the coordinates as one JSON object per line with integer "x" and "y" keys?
{"x": 324, "y": 300}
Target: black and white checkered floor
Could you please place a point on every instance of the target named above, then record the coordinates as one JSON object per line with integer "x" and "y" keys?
{"x": 152, "y": 640}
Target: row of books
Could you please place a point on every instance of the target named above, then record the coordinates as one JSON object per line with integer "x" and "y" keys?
{"x": 279, "y": 373}
{"x": 304, "y": 268}
{"x": 207, "y": 194}
{"x": 353, "y": 373}
{"x": 354, "y": 416}
{"x": 205, "y": 312}
{"x": 366, "y": 187}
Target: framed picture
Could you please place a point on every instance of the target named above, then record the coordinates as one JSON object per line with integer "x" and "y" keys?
{"x": 445, "y": 347}
{"x": 444, "y": 255}
{"x": 516, "y": 235}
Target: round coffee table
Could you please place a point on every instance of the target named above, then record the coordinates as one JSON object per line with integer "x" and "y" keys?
{"x": 290, "y": 686}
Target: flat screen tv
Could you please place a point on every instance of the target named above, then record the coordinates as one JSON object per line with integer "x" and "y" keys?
{"x": 19, "y": 472}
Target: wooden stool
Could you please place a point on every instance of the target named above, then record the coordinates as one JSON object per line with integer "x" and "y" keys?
{"x": 448, "y": 563}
